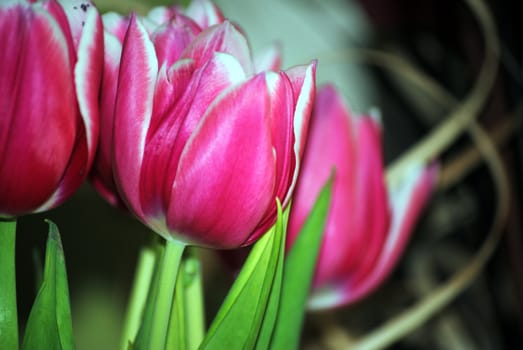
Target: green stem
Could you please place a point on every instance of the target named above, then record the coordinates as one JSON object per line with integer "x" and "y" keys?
{"x": 193, "y": 300}
{"x": 168, "y": 272}
{"x": 176, "y": 335}
{"x": 138, "y": 298}
{"x": 8, "y": 310}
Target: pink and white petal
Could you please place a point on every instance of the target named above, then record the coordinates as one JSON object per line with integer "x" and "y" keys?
{"x": 88, "y": 75}
{"x": 102, "y": 172}
{"x": 77, "y": 12}
{"x": 372, "y": 213}
{"x": 134, "y": 104}
{"x": 407, "y": 200}
{"x": 223, "y": 38}
{"x": 225, "y": 179}
{"x": 330, "y": 147}
{"x": 303, "y": 79}
{"x": 171, "y": 84}
{"x": 33, "y": 139}
{"x": 219, "y": 74}
{"x": 268, "y": 59}
{"x": 55, "y": 9}
{"x": 165, "y": 146}
{"x": 170, "y": 39}
{"x": 205, "y": 13}
{"x": 161, "y": 14}
{"x": 281, "y": 110}
{"x": 115, "y": 24}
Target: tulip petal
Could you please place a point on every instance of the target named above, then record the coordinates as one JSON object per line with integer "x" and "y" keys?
{"x": 281, "y": 109}
{"x": 136, "y": 81}
{"x": 102, "y": 173}
{"x": 88, "y": 73}
{"x": 372, "y": 216}
{"x": 205, "y": 13}
{"x": 331, "y": 146}
{"x": 227, "y": 168}
{"x": 176, "y": 123}
{"x": 407, "y": 201}
{"x": 303, "y": 79}
{"x": 27, "y": 140}
{"x": 170, "y": 39}
{"x": 268, "y": 59}
{"x": 223, "y": 38}
{"x": 115, "y": 24}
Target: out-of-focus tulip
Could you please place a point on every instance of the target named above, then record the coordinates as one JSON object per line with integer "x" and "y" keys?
{"x": 51, "y": 56}
{"x": 367, "y": 225}
{"x": 202, "y": 145}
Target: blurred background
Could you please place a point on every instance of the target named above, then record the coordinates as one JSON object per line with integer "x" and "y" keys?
{"x": 441, "y": 37}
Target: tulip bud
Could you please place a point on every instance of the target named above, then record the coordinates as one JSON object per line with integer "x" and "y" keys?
{"x": 367, "y": 225}
{"x": 50, "y": 70}
{"x": 202, "y": 146}
{"x": 172, "y": 29}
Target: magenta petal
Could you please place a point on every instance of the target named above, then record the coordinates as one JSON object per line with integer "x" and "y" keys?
{"x": 137, "y": 78}
{"x": 223, "y": 38}
{"x": 225, "y": 179}
{"x": 331, "y": 147}
{"x": 165, "y": 146}
{"x": 372, "y": 214}
{"x": 170, "y": 39}
{"x": 115, "y": 24}
{"x": 88, "y": 73}
{"x": 102, "y": 173}
{"x": 303, "y": 79}
{"x": 407, "y": 200}
{"x": 37, "y": 127}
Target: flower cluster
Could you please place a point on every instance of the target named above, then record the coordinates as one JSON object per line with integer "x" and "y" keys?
{"x": 198, "y": 140}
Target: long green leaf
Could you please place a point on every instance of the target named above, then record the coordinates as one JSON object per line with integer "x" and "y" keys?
{"x": 271, "y": 313}
{"x": 49, "y": 325}
{"x": 8, "y": 311}
{"x": 298, "y": 271}
{"x": 240, "y": 318}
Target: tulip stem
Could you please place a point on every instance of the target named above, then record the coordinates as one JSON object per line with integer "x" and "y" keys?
{"x": 8, "y": 310}
{"x": 138, "y": 298}
{"x": 193, "y": 300}
{"x": 165, "y": 294}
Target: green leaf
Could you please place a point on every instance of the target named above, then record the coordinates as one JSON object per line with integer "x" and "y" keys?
{"x": 49, "y": 325}
{"x": 298, "y": 272}
{"x": 271, "y": 314}
{"x": 241, "y": 316}
{"x": 8, "y": 311}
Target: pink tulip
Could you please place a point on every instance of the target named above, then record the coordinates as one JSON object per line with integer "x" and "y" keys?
{"x": 367, "y": 225}
{"x": 172, "y": 29}
{"x": 202, "y": 145}
{"x": 51, "y": 56}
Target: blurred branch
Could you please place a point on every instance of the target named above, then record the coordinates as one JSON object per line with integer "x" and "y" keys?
{"x": 461, "y": 116}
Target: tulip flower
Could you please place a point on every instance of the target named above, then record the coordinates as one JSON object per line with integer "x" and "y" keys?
{"x": 202, "y": 145}
{"x": 173, "y": 25}
{"x": 51, "y": 56}
{"x": 368, "y": 224}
